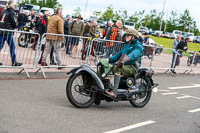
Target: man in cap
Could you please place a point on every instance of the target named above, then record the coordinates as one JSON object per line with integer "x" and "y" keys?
{"x": 55, "y": 26}
{"x": 76, "y": 29}
{"x": 128, "y": 59}
{"x": 113, "y": 34}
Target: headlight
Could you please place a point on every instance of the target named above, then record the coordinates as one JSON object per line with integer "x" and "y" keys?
{"x": 96, "y": 62}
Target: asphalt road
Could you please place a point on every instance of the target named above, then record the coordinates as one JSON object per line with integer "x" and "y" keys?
{"x": 40, "y": 106}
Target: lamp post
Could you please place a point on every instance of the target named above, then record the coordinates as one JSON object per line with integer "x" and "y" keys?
{"x": 86, "y": 5}
{"x": 162, "y": 15}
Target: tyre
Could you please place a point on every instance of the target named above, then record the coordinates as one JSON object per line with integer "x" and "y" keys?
{"x": 141, "y": 99}
{"x": 22, "y": 41}
{"x": 79, "y": 90}
{"x": 189, "y": 61}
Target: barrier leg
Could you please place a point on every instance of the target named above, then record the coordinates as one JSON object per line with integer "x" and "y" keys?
{"x": 43, "y": 73}
{"x": 27, "y": 74}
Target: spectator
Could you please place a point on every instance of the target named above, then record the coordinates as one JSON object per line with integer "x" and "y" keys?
{"x": 113, "y": 34}
{"x": 66, "y": 31}
{"x": 21, "y": 20}
{"x": 107, "y": 28}
{"x": 7, "y": 17}
{"x": 55, "y": 26}
{"x": 76, "y": 29}
{"x": 182, "y": 46}
{"x": 176, "y": 41}
{"x": 42, "y": 28}
{"x": 89, "y": 30}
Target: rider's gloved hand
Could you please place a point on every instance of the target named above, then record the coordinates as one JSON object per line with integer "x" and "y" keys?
{"x": 124, "y": 58}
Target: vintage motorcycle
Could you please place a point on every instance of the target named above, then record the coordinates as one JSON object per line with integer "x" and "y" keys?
{"x": 149, "y": 50}
{"x": 193, "y": 58}
{"x": 85, "y": 86}
{"x": 25, "y": 38}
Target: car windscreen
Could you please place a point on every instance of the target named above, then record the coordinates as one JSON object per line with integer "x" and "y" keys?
{"x": 176, "y": 32}
{"x": 132, "y": 24}
{"x": 28, "y": 7}
{"x": 127, "y": 23}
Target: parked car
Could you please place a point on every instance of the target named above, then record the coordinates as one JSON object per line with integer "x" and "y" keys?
{"x": 196, "y": 39}
{"x": 190, "y": 35}
{"x": 158, "y": 33}
{"x": 29, "y": 7}
{"x": 101, "y": 23}
{"x": 166, "y": 35}
{"x": 128, "y": 24}
{"x": 143, "y": 30}
{"x": 43, "y": 9}
{"x": 175, "y": 33}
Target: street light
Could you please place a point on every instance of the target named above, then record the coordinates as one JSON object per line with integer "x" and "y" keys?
{"x": 86, "y": 5}
{"x": 162, "y": 15}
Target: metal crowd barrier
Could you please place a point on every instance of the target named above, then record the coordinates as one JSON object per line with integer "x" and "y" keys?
{"x": 162, "y": 62}
{"x": 73, "y": 51}
{"x": 18, "y": 46}
{"x": 102, "y": 47}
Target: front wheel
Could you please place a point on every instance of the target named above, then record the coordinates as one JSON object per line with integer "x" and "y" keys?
{"x": 79, "y": 90}
{"x": 141, "y": 99}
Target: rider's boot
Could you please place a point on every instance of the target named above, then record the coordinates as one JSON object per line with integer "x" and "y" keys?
{"x": 113, "y": 93}
{"x": 117, "y": 78}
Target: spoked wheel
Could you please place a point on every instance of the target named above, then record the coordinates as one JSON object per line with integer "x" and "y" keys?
{"x": 22, "y": 40}
{"x": 189, "y": 61}
{"x": 79, "y": 90}
{"x": 141, "y": 99}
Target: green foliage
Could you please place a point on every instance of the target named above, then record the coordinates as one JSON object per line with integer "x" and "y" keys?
{"x": 77, "y": 11}
{"x": 108, "y": 14}
{"x": 167, "y": 43}
{"x": 43, "y": 3}
{"x": 175, "y": 21}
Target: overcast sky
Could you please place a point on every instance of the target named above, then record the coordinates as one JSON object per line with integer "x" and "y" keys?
{"x": 134, "y": 5}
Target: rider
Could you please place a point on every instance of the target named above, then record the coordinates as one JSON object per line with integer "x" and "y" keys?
{"x": 128, "y": 59}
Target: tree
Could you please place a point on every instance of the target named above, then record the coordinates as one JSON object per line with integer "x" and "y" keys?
{"x": 97, "y": 13}
{"x": 108, "y": 14}
{"x": 77, "y": 11}
{"x": 34, "y": 2}
{"x": 117, "y": 15}
{"x": 137, "y": 18}
{"x": 185, "y": 20}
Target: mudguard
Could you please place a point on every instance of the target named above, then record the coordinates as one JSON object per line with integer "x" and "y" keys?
{"x": 147, "y": 73}
{"x": 88, "y": 70}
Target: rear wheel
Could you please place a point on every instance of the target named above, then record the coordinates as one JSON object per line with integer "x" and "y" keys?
{"x": 22, "y": 41}
{"x": 141, "y": 99}
{"x": 80, "y": 91}
{"x": 189, "y": 61}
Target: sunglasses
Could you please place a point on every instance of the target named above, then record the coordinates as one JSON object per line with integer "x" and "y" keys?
{"x": 128, "y": 35}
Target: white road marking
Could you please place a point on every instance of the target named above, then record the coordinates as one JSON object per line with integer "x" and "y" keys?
{"x": 155, "y": 90}
{"x": 131, "y": 127}
{"x": 170, "y": 93}
{"x": 163, "y": 90}
{"x": 184, "y": 87}
{"x": 187, "y": 96}
{"x": 194, "y": 111}
{"x": 184, "y": 97}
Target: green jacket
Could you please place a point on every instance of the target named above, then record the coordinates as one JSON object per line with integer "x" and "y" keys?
{"x": 76, "y": 28}
{"x": 133, "y": 51}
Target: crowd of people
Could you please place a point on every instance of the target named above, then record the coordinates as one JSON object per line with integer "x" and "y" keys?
{"x": 57, "y": 24}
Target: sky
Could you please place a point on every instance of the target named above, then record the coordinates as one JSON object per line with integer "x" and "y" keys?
{"x": 134, "y": 5}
